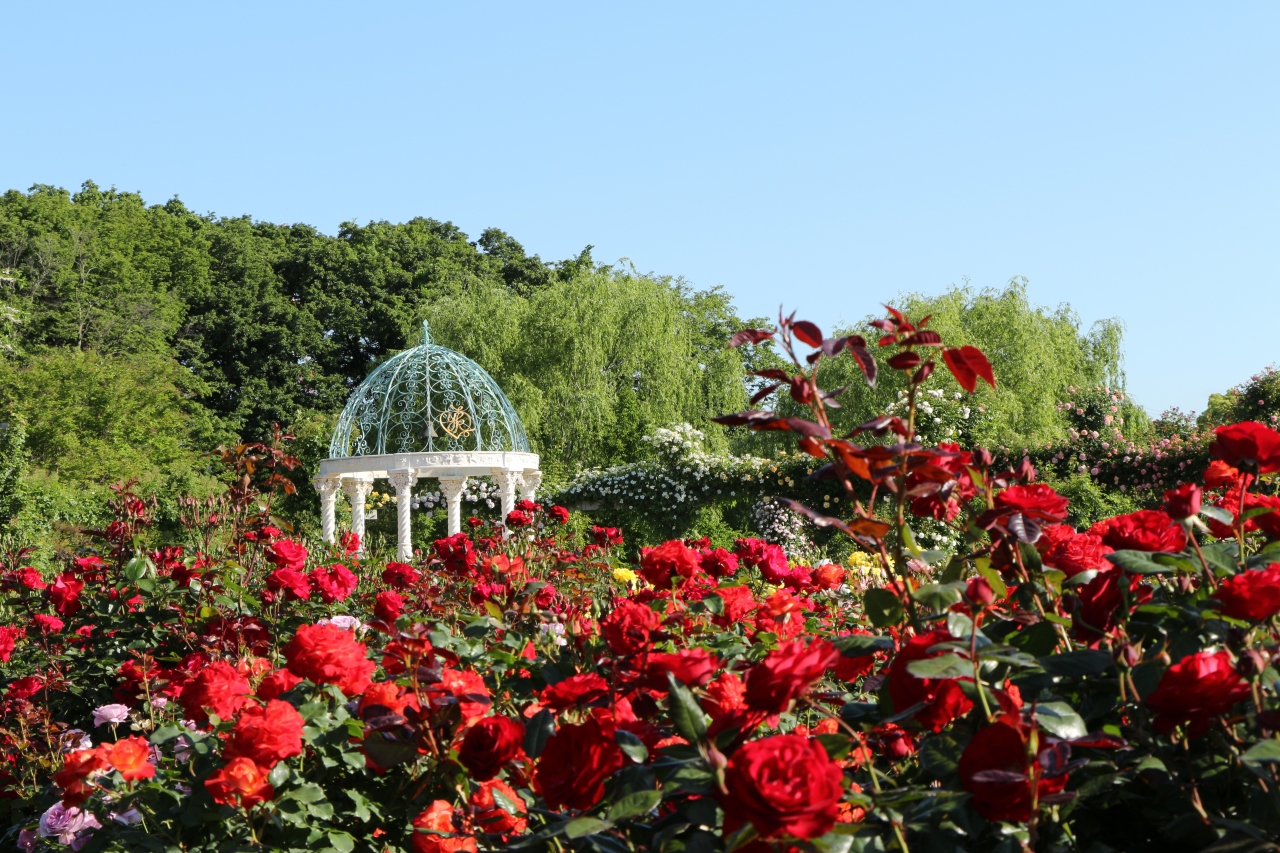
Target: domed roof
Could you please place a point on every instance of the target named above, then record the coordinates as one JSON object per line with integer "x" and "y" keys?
{"x": 428, "y": 398}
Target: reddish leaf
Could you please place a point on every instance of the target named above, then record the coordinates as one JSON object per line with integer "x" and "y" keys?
{"x": 764, "y": 392}
{"x": 772, "y": 373}
{"x": 923, "y": 373}
{"x": 805, "y": 427}
{"x": 886, "y": 326}
{"x": 868, "y": 364}
{"x": 801, "y": 391}
{"x": 967, "y": 365}
{"x": 904, "y": 360}
{"x": 813, "y": 447}
{"x": 807, "y": 332}
{"x": 924, "y": 339}
{"x": 749, "y": 336}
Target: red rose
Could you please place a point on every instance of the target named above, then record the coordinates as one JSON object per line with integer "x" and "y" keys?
{"x": 575, "y": 763}
{"x": 77, "y": 767}
{"x": 279, "y": 682}
{"x": 388, "y": 606}
{"x": 287, "y": 554}
{"x": 469, "y": 691}
{"x": 786, "y": 673}
{"x": 893, "y": 742}
{"x": 220, "y": 688}
{"x": 725, "y": 695}
{"x": 457, "y": 553}
{"x": 944, "y": 699}
{"x": 693, "y": 667}
{"x": 1100, "y": 599}
{"x": 829, "y": 576}
{"x": 581, "y": 689}
{"x": 241, "y": 783}
{"x": 519, "y": 518}
{"x": 1000, "y": 751}
{"x": 784, "y": 785}
{"x": 1249, "y": 446}
{"x": 1195, "y": 690}
{"x": 326, "y": 654}
{"x": 1145, "y": 530}
{"x": 628, "y": 628}
{"x": 606, "y": 536}
{"x": 131, "y": 756}
{"x": 335, "y": 582}
{"x": 48, "y": 624}
{"x": 1079, "y": 553}
{"x": 1252, "y": 595}
{"x": 489, "y": 745}
{"x": 718, "y": 563}
{"x": 773, "y": 564}
{"x": 292, "y": 582}
{"x": 266, "y": 734}
{"x": 660, "y": 564}
{"x": 1183, "y": 502}
{"x": 494, "y": 819}
{"x": 559, "y": 513}
{"x": 31, "y": 578}
{"x": 9, "y": 637}
{"x": 442, "y": 835}
{"x": 64, "y": 593}
{"x": 400, "y": 575}
{"x": 1036, "y": 501}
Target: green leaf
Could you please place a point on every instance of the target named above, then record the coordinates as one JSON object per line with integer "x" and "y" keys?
{"x": 537, "y": 731}
{"x": 1217, "y": 513}
{"x": 948, "y": 665}
{"x": 938, "y": 597}
{"x": 859, "y": 645}
{"x": 1262, "y": 752}
{"x": 993, "y": 577}
{"x": 1138, "y": 563}
{"x": 1061, "y": 719}
{"x": 307, "y": 792}
{"x": 586, "y": 826}
{"x": 1078, "y": 663}
{"x": 882, "y": 607}
{"x": 342, "y": 842}
{"x": 633, "y": 805}
{"x": 164, "y": 734}
{"x": 632, "y": 746}
{"x": 685, "y": 712}
{"x": 939, "y": 756}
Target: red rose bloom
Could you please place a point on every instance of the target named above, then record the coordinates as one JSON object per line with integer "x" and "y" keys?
{"x": 469, "y": 691}
{"x": 489, "y": 745}
{"x": 628, "y": 628}
{"x": 693, "y": 667}
{"x": 1036, "y": 501}
{"x": 400, "y": 575}
{"x": 131, "y": 756}
{"x": 829, "y": 576}
{"x": 492, "y": 818}
{"x": 48, "y": 624}
{"x": 279, "y": 682}
{"x": 241, "y": 783}
{"x": 442, "y": 835}
{"x": 581, "y": 689}
{"x": 725, "y": 695}
{"x": 219, "y": 688}
{"x": 1100, "y": 600}
{"x": 1195, "y": 690}
{"x": 266, "y": 734}
{"x": 9, "y": 637}
{"x": 943, "y": 698}
{"x": 295, "y": 585}
{"x": 456, "y": 553}
{"x": 1183, "y": 502}
{"x": 1003, "y": 747}
{"x": 77, "y": 767}
{"x": 335, "y": 582}
{"x": 1145, "y": 530}
{"x": 1078, "y": 553}
{"x": 606, "y": 536}
{"x": 388, "y": 606}
{"x": 784, "y": 785}
{"x": 1252, "y": 595}
{"x": 287, "y": 554}
{"x": 1249, "y": 446}
{"x": 64, "y": 593}
{"x": 718, "y": 563}
{"x": 326, "y": 654}
{"x": 559, "y": 513}
{"x": 786, "y": 673}
{"x": 575, "y": 763}
{"x": 658, "y": 565}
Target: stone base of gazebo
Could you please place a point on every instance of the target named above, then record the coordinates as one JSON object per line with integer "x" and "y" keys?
{"x": 355, "y": 476}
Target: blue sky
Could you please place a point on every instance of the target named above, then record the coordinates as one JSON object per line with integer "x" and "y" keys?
{"x": 1122, "y": 157}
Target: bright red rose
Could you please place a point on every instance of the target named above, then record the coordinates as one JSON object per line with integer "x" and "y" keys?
{"x": 693, "y": 667}
{"x": 1252, "y": 595}
{"x": 1001, "y": 750}
{"x": 606, "y": 536}
{"x": 287, "y": 554}
{"x": 335, "y": 582}
{"x": 629, "y": 627}
{"x": 1183, "y": 502}
{"x": 48, "y": 624}
{"x": 492, "y": 818}
{"x": 1218, "y": 474}
{"x": 241, "y": 783}
{"x": 559, "y": 513}
{"x": 519, "y": 518}
{"x": 719, "y": 563}
{"x": 575, "y": 763}
{"x": 9, "y": 637}
{"x": 31, "y": 578}
{"x": 1248, "y": 446}
{"x": 944, "y": 699}
{"x": 469, "y": 691}
{"x": 1099, "y": 602}
{"x": 1081, "y": 552}
{"x": 293, "y": 583}
{"x": 400, "y": 575}
{"x": 893, "y": 742}
{"x": 388, "y": 606}
{"x": 279, "y": 682}
{"x": 64, "y": 593}
{"x": 1195, "y": 690}
{"x": 658, "y": 565}
{"x": 786, "y": 673}
{"x": 350, "y": 542}
{"x": 326, "y": 654}
{"x": 1036, "y": 501}
{"x": 266, "y": 734}
{"x": 77, "y": 768}
{"x": 581, "y": 689}
{"x": 1267, "y": 522}
{"x": 1144, "y": 530}
{"x": 443, "y": 833}
{"x": 785, "y": 786}
{"x": 219, "y": 688}
{"x": 457, "y": 553}
{"x": 490, "y": 745}
{"x": 738, "y": 603}
{"x": 725, "y": 695}
{"x": 829, "y": 576}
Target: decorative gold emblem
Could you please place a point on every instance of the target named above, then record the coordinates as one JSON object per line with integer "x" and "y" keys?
{"x": 456, "y": 423}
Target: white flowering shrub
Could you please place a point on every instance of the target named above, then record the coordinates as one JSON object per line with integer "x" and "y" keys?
{"x": 942, "y": 416}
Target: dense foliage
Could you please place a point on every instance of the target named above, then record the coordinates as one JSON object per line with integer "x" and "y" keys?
{"x": 522, "y": 686}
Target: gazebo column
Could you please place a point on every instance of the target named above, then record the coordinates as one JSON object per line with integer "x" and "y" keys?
{"x": 403, "y": 480}
{"x": 328, "y": 489}
{"x": 507, "y": 482}
{"x": 452, "y": 488}
{"x": 357, "y": 489}
{"x": 529, "y": 482}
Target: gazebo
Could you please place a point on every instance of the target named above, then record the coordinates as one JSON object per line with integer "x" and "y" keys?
{"x": 425, "y": 412}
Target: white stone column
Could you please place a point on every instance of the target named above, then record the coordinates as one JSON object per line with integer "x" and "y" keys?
{"x": 507, "y": 482}
{"x": 403, "y": 480}
{"x": 358, "y": 489}
{"x": 328, "y": 489}
{"x": 452, "y": 488}
{"x": 529, "y": 483}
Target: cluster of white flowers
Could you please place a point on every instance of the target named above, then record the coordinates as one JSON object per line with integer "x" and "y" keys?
{"x": 939, "y": 417}
{"x": 777, "y": 524}
{"x": 477, "y": 490}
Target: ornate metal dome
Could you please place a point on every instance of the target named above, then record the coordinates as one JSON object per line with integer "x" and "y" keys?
{"x": 427, "y": 399}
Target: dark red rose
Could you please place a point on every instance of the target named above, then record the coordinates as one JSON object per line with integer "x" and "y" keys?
{"x": 335, "y": 583}
{"x": 944, "y": 699}
{"x": 893, "y": 742}
{"x": 287, "y": 554}
{"x": 693, "y": 667}
{"x": 575, "y": 763}
{"x": 1267, "y": 522}
{"x": 659, "y": 565}
{"x": 997, "y": 770}
{"x": 1099, "y": 601}
{"x": 266, "y": 734}
{"x": 220, "y": 688}
{"x": 293, "y": 583}
{"x": 1183, "y": 502}
{"x": 628, "y": 628}
{"x": 400, "y": 575}
{"x": 1252, "y": 595}
{"x": 719, "y": 563}
{"x": 457, "y": 553}
{"x": 1195, "y": 690}
{"x": 1036, "y": 501}
{"x": 1081, "y": 552}
{"x": 606, "y": 536}
{"x": 786, "y": 673}
{"x": 581, "y": 689}
{"x": 492, "y": 818}
{"x": 64, "y": 594}
{"x": 559, "y": 513}
{"x": 326, "y": 654}
{"x": 388, "y": 605}
{"x": 785, "y": 786}
{"x": 1249, "y": 446}
{"x": 1144, "y": 530}
{"x": 489, "y": 745}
